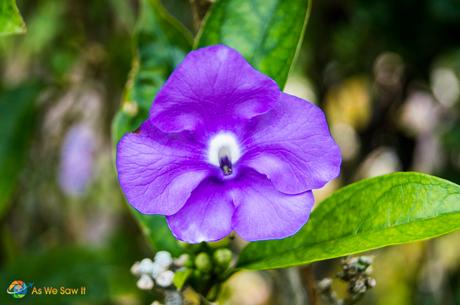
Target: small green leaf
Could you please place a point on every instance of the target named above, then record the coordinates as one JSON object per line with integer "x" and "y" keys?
{"x": 267, "y": 32}
{"x": 157, "y": 232}
{"x": 160, "y": 44}
{"x": 373, "y": 213}
{"x": 181, "y": 276}
{"x": 18, "y": 113}
{"x": 10, "y": 19}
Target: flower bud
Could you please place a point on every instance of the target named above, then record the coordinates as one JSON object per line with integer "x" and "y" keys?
{"x": 165, "y": 278}
{"x": 145, "y": 282}
{"x": 184, "y": 261}
{"x": 163, "y": 258}
{"x": 365, "y": 260}
{"x": 325, "y": 284}
{"x": 371, "y": 282}
{"x": 358, "y": 287}
{"x": 203, "y": 262}
{"x": 222, "y": 257}
{"x": 135, "y": 269}
{"x": 157, "y": 269}
{"x": 145, "y": 266}
{"x": 197, "y": 274}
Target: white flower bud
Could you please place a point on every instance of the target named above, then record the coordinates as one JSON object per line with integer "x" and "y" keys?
{"x": 367, "y": 260}
{"x": 371, "y": 282}
{"x": 157, "y": 269}
{"x": 182, "y": 260}
{"x": 165, "y": 278}
{"x": 135, "y": 268}
{"x": 146, "y": 266}
{"x": 325, "y": 284}
{"x": 145, "y": 282}
{"x": 163, "y": 258}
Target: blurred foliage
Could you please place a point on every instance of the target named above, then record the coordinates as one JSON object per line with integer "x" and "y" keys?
{"x": 18, "y": 120}
{"x": 10, "y": 19}
{"x": 70, "y": 268}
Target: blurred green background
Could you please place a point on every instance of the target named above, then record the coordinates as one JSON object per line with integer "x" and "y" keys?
{"x": 387, "y": 74}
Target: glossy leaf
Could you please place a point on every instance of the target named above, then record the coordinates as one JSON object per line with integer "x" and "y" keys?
{"x": 18, "y": 113}
{"x": 373, "y": 213}
{"x": 160, "y": 44}
{"x": 181, "y": 276}
{"x": 10, "y": 19}
{"x": 267, "y": 32}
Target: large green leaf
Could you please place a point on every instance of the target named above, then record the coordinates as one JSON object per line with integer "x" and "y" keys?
{"x": 160, "y": 44}
{"x": 10, "y": 19}
{"x": 267, "y": 32}
{"x": 18, "y": 113}
{"x": 373, "y": 213}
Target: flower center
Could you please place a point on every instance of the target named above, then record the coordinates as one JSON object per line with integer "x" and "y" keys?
{"x": 224, "y": 151}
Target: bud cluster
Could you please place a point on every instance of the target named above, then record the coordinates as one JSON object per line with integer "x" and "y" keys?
{"x": 204, "y": 267}
{"x": 209, "y": 266}
{"x": 158, "y": 271}
{"x": 356, "y": 271}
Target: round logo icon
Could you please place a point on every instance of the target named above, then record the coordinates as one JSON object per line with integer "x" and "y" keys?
{"x": 18, "y": 289}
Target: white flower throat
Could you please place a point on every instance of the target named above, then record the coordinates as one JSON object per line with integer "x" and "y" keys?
{"x": 224, "y": 151}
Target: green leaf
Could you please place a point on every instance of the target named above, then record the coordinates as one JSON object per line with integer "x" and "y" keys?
{"x": 157, "y": 232}
{"x": 18, "y": 113}
{"x": 160, "y": 44}
{"x": 267, "y": 32}
{"x": 181, "y": 276}
{"x": 373, "y": 213}
{"x": 10, "y": 19}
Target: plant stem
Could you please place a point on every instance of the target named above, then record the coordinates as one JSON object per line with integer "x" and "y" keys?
{"x": 199, "y": 9}
{"x": 288, "y": 287}
{"x": 308, "y": 278}
{"x": 204, "y": 301}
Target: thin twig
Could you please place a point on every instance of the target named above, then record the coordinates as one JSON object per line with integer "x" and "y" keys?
{"x": 204, "y": 301}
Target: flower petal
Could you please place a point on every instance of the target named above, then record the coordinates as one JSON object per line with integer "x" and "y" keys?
{"x": 212, "y": 88}
{"x": 292, "y": 145}
{"x": 207, "y": 215}
{"x": 265, "y": 213}
{"x": 158, "y": 171}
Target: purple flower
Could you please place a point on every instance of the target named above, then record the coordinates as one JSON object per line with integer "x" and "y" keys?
{"x": 224, "y": 149}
